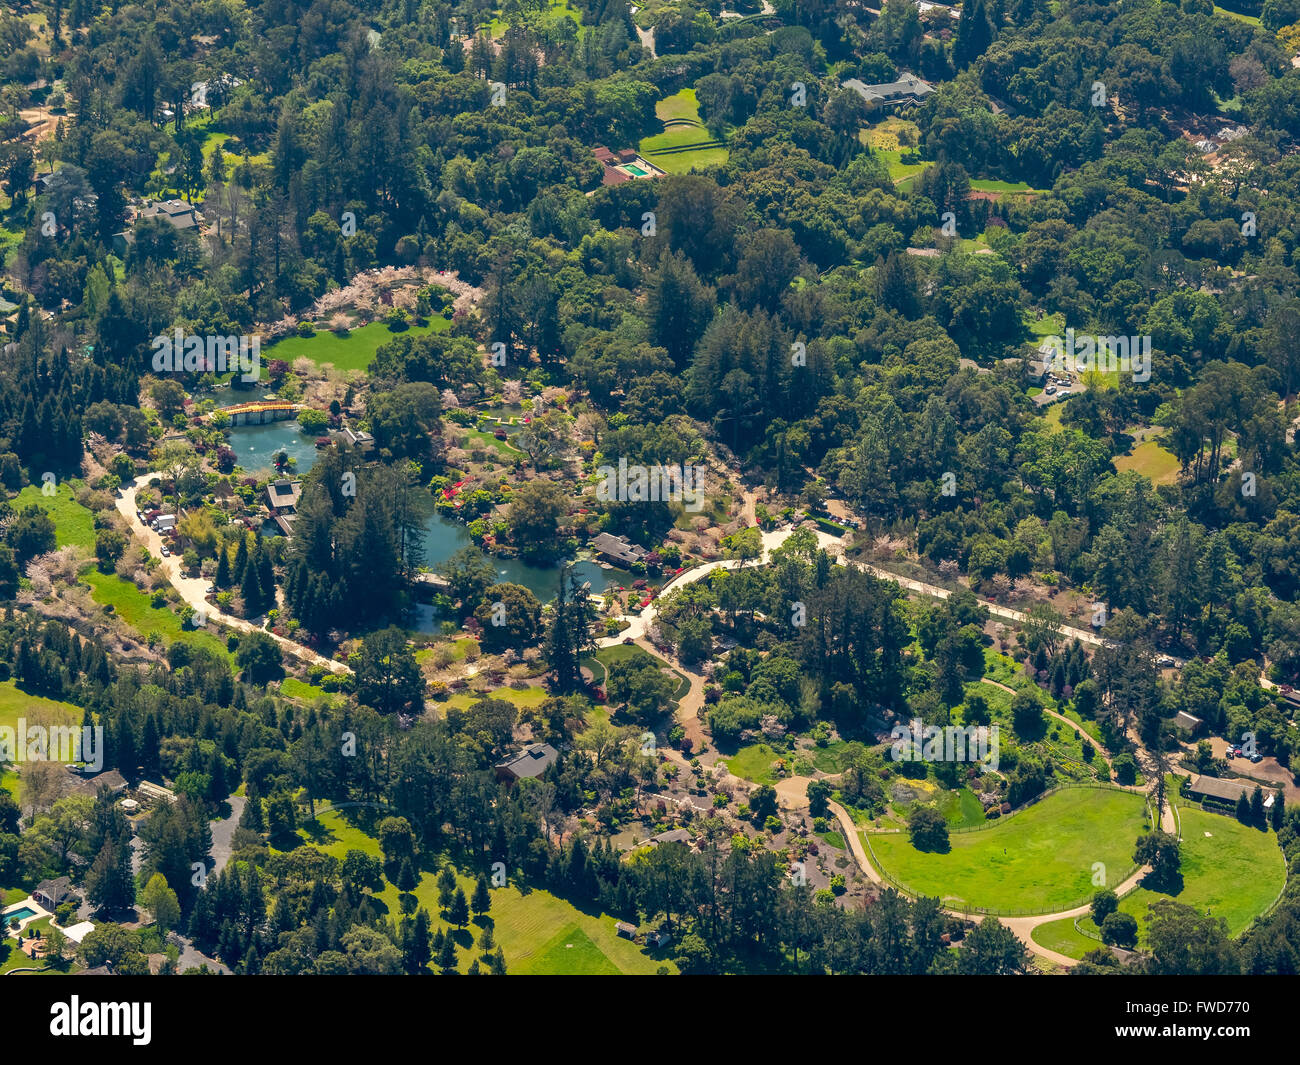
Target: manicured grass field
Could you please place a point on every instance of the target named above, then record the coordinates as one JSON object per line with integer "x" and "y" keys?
{"x": 755, "y": 763}
{"x": 571, "y": 953}
{"x": 1252, "y": 19}
{"x": 531, "y": 925}
{"x": 1046, "y": 326}
{"x": 680, "y": 114}
{"x": 1063, "y": 937}
{"x": 1038, "y": 860}
{"x": 990, "y": 185}
{"x": 73, "y": 524}
{"x": 1235, "y": 872}
{"x": 482, "y": 439}
{"x": 355, "y": 351}
{"x": 1152, "y": 461}
{"x": 621, "y": 652}
{"x": 961, "y": 808}
{"x": 15, "y": 703}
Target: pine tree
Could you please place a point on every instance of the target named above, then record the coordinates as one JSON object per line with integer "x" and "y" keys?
{"x": 458, "y": 912}
{"x": 251, "y": 818}
{"x": 482, "y": 900}
{"x": 498, "y": 963}
{"x": 1257, "y": 807}
{"x": 406, "y": 878}
{"x": 446, "y": 886}
{"x": 241, "y": 559}
{"x": 222, "y": 579}
{"x": 266, "y": 577}
{"x": 1279, "y": 810}
{"x": 1243, "y": 809}
{"x": 250, "y": 590}
{"x": 447, "y": 956}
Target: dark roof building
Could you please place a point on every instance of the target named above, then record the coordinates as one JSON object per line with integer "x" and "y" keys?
{"x": 54, "y": 893}
{"x": 618, "y": 549}
{"x": 283, "y": 495}
{"x": 908, "y": 89}
{"x": 180, "y": 214}
{"x": 673, "y": 835}
{"x": 90, "y": 785}
{"x": 532, "y": 761}
{"x": 1223, "y": 790}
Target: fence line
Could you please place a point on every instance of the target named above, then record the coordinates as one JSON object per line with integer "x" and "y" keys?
{"x": 1064, "y": 786}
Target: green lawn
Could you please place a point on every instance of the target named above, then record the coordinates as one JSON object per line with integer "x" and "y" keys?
{"x": 1252, "y": 19}
{"x": 532, "y": 926}
{"x": 15, "y": 703}
{"x": 355, "y": 351}
{"x": 1152, "y": 461}
{"x": 1235, "y": 872}
{"x": 571, "y": 953}
{"x": 834, "y": 756}
{"x": 136, "y": 609}
{"x": 755, "y": 763}
{"x": 883, "y": 138}
{"x": 519, "y": 697}
{"x": 1063, "y": 937}
{"x": 73, "y": 524}
{"x": 293, "y": 688}
{"x": 477, "y": 436}
{"x": 961, "y": 808}
{"x": 680, "y": 114}
{"x": 621, "y": 652}
{"x": 1230, "y": 869}
{"x": 989, "y": 185}
{"x": 1038, "y": 860}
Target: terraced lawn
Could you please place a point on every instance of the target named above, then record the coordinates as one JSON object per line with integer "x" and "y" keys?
{"x": 685, "y": 144}
{"x": 1038, "y": 860}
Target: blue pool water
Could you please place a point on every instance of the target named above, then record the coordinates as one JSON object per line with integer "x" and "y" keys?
{"x": 22, "y": 913}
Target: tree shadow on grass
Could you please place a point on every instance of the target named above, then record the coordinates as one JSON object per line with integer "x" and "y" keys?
{"x": 1171, "y": 884}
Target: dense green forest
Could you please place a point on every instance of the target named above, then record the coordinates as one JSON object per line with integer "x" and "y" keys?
{"x": 844, "y": 304}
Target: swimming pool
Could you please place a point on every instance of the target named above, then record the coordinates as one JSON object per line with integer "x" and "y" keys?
{"x": 22, "y": 913}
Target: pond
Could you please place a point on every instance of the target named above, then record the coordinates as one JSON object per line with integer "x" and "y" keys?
{"x": 443, "y": 537}
{"x": 255, "y": 447}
